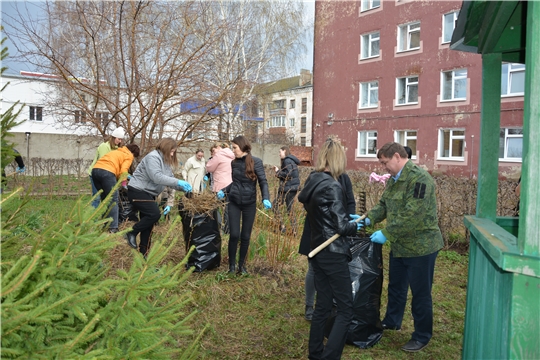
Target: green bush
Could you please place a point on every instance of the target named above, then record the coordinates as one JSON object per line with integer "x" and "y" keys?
{"x": 58, "y": 301}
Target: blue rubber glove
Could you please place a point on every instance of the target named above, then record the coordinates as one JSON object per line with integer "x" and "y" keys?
{"x": 358, "y": 225}
{"x": 367, "y": 221}
{"x": 378, "y": 237}
{"x": 205, "y": 178}
{"x": 166, "y": 210}
{"x": 354, "y": 216}
{"x": 129, "y": 177}
{"x": 21, "y": 170}
{"x": 267, "y": 204}
{"x": 220, "y": 194}
{"x": 184, "y": 185}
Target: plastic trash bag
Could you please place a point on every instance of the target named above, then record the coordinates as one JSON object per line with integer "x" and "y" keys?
{"x": 366, "y": 268}
{"x": 203, "y": 232}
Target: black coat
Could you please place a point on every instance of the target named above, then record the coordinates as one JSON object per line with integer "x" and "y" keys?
{"x": 243, "y": 190}
{"x": 348, "y": 202}
{"x": 323, "y": 200}
{"x": 289, "y": 180}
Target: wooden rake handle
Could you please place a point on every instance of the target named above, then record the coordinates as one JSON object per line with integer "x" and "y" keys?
{"x": 329, "y": 241}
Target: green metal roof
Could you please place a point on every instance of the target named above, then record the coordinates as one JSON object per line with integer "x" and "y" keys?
{"x": 486, "y": 27}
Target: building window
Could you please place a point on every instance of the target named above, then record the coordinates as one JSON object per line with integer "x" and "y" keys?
{"x": 409, "y": 36}
{"x": 369, "y": 94}
{"x": 454, "y": 85}
{"x": 103, "y": 118}
{"x": 80, "y": 116}
{"x": 278, "y": 104}
{"x": 291, "y": 122}
{"x": 303, "y": 125}
{"x": 36, "y": 113}
{"x": 513, "y": 79}
{"x": 370, "y": 4}
{"x": 304, "y": 105}
{"x": 511, "y": 144}
{"x": 406, "y": 138}
{"x": 277, "y": 121}
{"x": 449, "y": 24}
{"x": 367, "y": 143}
{"x": 303, "y": 141}
{"x": 451, "y": 144}
{"x": 292, "y": 103}
{"x": 407, "y": 90}
{"x": 370, "y": 45}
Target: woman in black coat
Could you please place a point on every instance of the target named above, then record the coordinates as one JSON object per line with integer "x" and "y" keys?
{"x": 289, "y": 184}
{"x": 323, "y": 200}
{"x": 247, "y": 170}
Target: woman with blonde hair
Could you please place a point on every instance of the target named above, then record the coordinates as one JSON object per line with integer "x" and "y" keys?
{"x": 152, "y": 175}
{"x": 323, "y": 200}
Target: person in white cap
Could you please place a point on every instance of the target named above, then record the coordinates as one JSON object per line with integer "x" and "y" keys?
{"x": 115, "y": 140}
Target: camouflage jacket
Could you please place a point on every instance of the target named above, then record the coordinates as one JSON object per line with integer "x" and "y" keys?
{"x": 410, "y": 208}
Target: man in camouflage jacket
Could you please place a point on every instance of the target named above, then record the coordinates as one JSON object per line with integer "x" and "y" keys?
{"x": 410, "y": 208}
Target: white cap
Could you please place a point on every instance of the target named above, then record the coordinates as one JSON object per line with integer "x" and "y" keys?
{"x": 119, "y": 133}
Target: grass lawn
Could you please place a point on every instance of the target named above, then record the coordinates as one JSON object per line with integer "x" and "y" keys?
{"x": 261, "y": 316}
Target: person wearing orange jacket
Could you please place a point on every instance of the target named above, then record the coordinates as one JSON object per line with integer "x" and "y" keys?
{"x": 108, "y": 170}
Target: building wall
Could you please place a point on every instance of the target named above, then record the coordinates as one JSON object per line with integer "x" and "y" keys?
{"x": 339, "y": 71}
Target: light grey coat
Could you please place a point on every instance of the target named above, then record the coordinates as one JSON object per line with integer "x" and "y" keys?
{"x": 153, "y": 174}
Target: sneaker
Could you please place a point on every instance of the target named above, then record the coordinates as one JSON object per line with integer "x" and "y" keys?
{"x": 413, "y": 346}
{"x": 309, "y": 312}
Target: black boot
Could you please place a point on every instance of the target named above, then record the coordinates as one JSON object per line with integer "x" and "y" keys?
{"x": 131, "y": 239}
{"x": 232, "y": 268}
{"x": 242, "y": 270}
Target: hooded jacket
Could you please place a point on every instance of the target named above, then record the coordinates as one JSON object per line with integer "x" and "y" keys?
{"x": 116, "y": 161}
{"x": 243, "y": 190}
{"x": 289, "y": 180}
{"x": 153, "y": 174}
{"x": 220, "y": 168}
{"x": 323, "y": 200}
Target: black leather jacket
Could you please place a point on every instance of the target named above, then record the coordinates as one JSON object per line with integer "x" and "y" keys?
{"x": 322, "y": 197}
{"x": 289, "y": 180}
{"x": 243, "y": 190}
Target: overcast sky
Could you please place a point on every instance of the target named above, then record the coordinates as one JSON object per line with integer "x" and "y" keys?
{"x": 14, "y": 66}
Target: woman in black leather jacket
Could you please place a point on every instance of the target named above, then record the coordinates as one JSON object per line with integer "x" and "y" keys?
{"x": 322, "y": 197}
{"x": 247, "y": 170}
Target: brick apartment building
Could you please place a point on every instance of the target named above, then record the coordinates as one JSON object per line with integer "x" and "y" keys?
{"x": 383, "y": 71}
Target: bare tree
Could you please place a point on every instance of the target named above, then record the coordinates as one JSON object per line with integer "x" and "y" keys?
{"x": 135, "y": 64}
{"x": 262, "y": 40}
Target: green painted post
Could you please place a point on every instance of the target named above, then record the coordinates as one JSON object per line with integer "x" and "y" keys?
{"x": 488, "y": 166}
{"x": 529, "y": 226}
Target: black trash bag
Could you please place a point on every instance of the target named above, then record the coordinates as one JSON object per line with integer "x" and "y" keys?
{"x": 366, "y": 268}
{"x": 125, "y": 208}
{"x": 202, "y": 230}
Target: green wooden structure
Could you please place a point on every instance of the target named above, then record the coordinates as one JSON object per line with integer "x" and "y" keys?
{"x": 502, "y": 319}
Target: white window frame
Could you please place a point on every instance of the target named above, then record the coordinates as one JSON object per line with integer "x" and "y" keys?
{"x": 34, "y": 111}
{"x": 452, "y": 137}
{"x": 456, "y": 14}
{"x": 365, "y": 137}
{"x": 368, "y": 87}
{"x": 513, "y": 68}
{"x": 453, "y": 87}
{"x": 407, "y": 27}
{"x": 504, "y": 139}
{"x": 292, "y": 103}
{"x": 370, "y": 4}
{"x": 277, "y": 121}
{"x": 401, "y": 137}
{"x": 291, "y": 122}
{"x": 408, "y": 83}
{"x": 365, "y": 50}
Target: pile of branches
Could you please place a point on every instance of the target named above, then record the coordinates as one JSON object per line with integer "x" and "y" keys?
{"x": 200, "y": 203}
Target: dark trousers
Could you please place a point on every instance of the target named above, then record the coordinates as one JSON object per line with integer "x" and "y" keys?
{"x": 332, "y": 281}
{"x": 106, "y": 180}
{"x": 285, "y": 199}
{"x": 97, "y": 200}
{"x": 149, "y": 212}
{"x": 246, "y": 213}
{"x": 416, "y": 272}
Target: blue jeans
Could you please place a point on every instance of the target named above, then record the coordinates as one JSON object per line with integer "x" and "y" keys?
{"x": 106, "y": 180}
{"x": 97, "y": 200}
{"x": 416, "y": 272}
{"x": 332, "y": 281}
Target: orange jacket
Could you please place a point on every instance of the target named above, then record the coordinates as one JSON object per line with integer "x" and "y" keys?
{"x": 116, "y": 161}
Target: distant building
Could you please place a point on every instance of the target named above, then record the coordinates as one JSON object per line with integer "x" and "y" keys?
{"x": 286, "y": 106}
{"x": 383, "y": 71}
